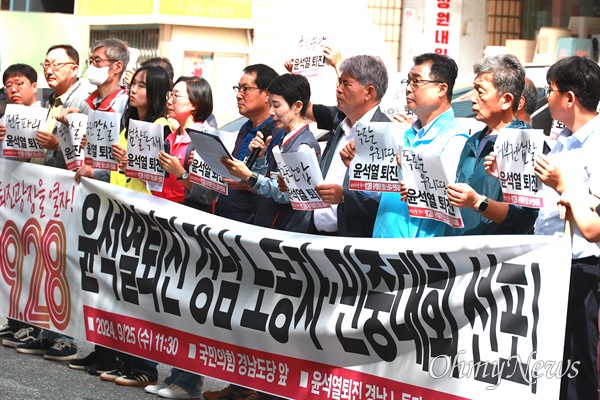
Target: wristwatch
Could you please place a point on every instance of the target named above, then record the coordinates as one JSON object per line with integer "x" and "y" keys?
{"x": 183, "y": 176}
{"x": 253, "y": 179}
{"x": 483, "y": 205}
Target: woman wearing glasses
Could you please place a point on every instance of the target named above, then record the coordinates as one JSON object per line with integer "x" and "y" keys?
{"x": 190, "y": 104}
{"x": 288, "y": 99}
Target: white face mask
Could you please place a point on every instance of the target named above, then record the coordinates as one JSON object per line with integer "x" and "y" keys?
{"x": 97, "y": 76}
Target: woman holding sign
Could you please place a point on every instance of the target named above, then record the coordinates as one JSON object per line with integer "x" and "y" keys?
{"x": 147, "y": 102}
{"x": 288, "y": 99}
{"x": 190, "y": 104}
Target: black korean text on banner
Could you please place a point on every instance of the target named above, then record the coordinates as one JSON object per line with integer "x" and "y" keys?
{"x": 288, "y": 313}
{"x": 22, "y": 124}
{"x": 301, "y": 173}
{"x": 309, "y": 59}
{"x": 144, "y": 141}
{"x": 69, "y": 139}
{"x": 427, "y": 184}
{"x": 516, "y": 150}
{"x": 212, "y": 144}
{"x": 374, "y": 167}
{"x": 102, "y": 132}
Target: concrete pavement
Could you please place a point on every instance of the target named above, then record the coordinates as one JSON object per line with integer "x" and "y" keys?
{"x": 31, "y": 377}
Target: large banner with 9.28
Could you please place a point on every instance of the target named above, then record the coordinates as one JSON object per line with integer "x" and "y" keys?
{"x": 298, "y": 316}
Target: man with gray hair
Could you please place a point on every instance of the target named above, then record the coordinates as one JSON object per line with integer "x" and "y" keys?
{"x": 498, "y": 86}
{"x": 362, "y": 83}
{"x": 107, "y": 63}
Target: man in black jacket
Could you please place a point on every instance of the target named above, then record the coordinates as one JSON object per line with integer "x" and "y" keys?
{"x": 363, "y": 82}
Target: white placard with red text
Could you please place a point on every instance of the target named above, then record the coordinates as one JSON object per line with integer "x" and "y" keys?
{"x": 102, "y": 132}
{"x": 516, "y": 150}
{"x": 427, "y": 183}
{"x": 69, "y": 139}
{"x": 309, "y": 59}
{"x": 374, "y": 167}
{"x": 144, "y": 141}
{"x": 298, "y": 316}
{"x": 201, "y": 171}
{"x": 301, "y": 172}
{"x": 22, "y": 124}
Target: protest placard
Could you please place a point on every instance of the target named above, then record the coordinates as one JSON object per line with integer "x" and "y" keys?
{"x": 144, "y": 141}
{"x": 374, "y": 167}
{"x": 516, "y": 150}
{"x": 301, "y": 172}
{"x": 309, "y": 59}
{"x": 69, "y": 139}
{"x": 22, "y": 124}
{"x": 102, "y": 132}
{"x": 427, "y": 184}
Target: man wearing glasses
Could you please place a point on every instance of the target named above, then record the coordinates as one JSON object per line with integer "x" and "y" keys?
{"x": 428, "y": 94}
{"x": 106, "y": 65}
{"x": 253, "y": 103}
{"x": 61, "y": 68}
{"x": 573, "y": 94}
{"x": 20, "y": 86}
{"x": 498, "y": 86}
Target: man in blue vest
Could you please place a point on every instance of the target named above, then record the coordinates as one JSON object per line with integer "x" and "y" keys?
{"x": 428, "y": 95}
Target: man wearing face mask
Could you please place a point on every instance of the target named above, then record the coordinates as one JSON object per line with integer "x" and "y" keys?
{"x": 106, "y": 64}
{"x": 108, "y": 58}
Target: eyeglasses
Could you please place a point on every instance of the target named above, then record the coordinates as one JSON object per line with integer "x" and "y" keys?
{"x": 176, "y": 95}
{"x": 243, "y": 89}
{"x": 16, "y": 85}
{"x": 54, "y": 66}
{"x": 548, "y": 91}
{"x": 97, "y": 61}
{"x": 417, "y": 83}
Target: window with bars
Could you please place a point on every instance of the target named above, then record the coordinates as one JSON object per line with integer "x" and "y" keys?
{"x": 504, "y": 21}
{"x": 387, "y": 17}
{"x": 146, "y": 40}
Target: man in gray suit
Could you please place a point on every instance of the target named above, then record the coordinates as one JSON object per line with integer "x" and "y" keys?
{"x": 362, "y": 83}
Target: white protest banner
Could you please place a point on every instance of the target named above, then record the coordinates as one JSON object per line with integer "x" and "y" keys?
{"x": 102, "y": 132}
{"x": 301, "y": 173}
{"x": 427, "y": 184}
{"x": 22, "y": 124}
{"x": 516, "y": 150}
{"x": 299, "y": 316}
{"x": 209, "y": 146}
{"x": 309, "y": 59}
{"x": 374, "y": 167}
{"x": 144, "y": 141}
{"x": 69, "y": 139}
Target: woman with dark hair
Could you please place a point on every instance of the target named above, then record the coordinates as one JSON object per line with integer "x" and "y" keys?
{"x": 190, "y": 104}
{"x": 288, "y": 99}
{"x": 147, "y": 102}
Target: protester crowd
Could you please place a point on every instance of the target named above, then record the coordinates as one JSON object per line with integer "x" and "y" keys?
{"x": 278, "y": 109}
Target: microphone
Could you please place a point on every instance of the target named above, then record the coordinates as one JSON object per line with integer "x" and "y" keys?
{"x": 267, "y": 130}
